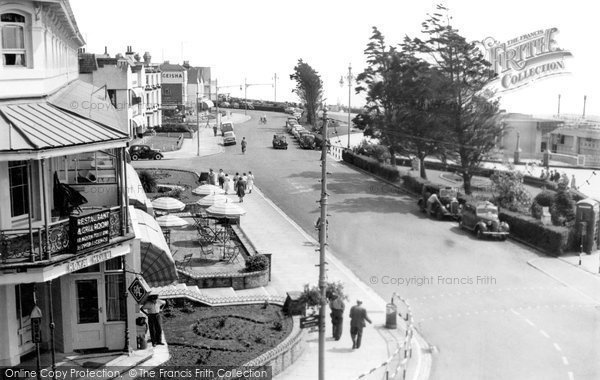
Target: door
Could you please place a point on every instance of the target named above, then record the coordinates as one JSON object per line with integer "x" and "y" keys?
{"x": 88, "y": 331}
{"x": 24, "y": 302}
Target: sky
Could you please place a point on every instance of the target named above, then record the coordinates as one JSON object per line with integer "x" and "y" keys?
{"x": 254, "y": 40}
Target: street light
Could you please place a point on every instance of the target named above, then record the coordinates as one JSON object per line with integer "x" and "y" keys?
{"x": 349, "y": 78}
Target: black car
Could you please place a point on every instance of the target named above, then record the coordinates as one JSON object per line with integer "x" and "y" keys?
{"x": 445, "y": 204}
{"x": 279, "y": 142}
{"x": 137, "y": 152}
{"x": 481, "y": 217}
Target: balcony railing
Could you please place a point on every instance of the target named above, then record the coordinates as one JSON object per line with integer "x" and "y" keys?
{"x": 20, "y": 246}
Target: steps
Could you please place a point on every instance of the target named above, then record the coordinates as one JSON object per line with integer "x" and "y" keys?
{"x": 218, "y": 296}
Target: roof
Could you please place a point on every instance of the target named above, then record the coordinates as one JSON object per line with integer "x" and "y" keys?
{"x": 171, "y": 67}
{"x": 41, "y": 125}
{"x": 194, "y": 75}
{"x": 588, "y": 132}
{"x": 205, "y": 74}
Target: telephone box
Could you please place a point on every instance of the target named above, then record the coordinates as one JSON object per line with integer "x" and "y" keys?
{"x": 587, "y": 215}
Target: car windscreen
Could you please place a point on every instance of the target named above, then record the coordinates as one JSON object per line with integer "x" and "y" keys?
{"x": 487, "y": 210}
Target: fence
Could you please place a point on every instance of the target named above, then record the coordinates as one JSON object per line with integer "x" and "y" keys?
{"x": 396, "y": 366}
{"x": 336, "y": 152}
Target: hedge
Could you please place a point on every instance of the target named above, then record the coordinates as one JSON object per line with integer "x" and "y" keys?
{"x": 369, "y": 164}
{"x": 555, "y": 240}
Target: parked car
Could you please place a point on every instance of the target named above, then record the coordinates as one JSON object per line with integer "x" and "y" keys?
{"x": 482, "y": 218}
{"x": 226, "y": 127}
{"x": 137, "y": 152}
{"x": 229, "y": 138}
{"x": 235, "y": 105}
{"x": 290, "y": 121}
{"x": 447, "y": 206}
{"x": 291, "y": 125}
{"x": 307, "y": 141}
{"x": 224, "y": 104}
{"x": 280, "y": 141}
{"x": 296, "y": 131}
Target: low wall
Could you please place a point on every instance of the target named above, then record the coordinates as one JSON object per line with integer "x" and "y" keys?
{"x": 237, "y": 281}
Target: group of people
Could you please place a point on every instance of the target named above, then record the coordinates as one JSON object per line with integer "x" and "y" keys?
{"x": 556, "y": 177}
{"x": 358, "y": 317}
{"x": 238, "y": 184}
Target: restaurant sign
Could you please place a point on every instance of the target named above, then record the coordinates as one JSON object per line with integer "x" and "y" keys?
{"x": 525, "y": 59}
{"x": 89, "y": 230}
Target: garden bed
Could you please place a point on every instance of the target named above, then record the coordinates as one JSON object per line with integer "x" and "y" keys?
{"x": 186, "y": 181}
{"x": 223, "y": 335}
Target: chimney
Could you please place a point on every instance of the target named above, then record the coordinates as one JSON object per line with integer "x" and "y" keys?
{"x": 147, "y": 58}
{"x": 186, "y": 64}
{"x": 167, "y": 62}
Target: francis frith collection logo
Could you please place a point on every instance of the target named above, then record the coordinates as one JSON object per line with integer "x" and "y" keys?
{"x": 525, "y": 59}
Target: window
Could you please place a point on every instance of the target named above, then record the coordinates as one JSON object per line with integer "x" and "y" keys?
{"x": 19, "y": 188}
{"x": 12, "y": 26}
{"x": 114, "y": 290}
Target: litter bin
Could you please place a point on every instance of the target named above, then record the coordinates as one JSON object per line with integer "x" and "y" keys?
{"x": 391, "y": 312}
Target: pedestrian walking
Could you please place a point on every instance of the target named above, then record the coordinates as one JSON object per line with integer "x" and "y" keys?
{"x": 556, "y": 175}
{"x": 358, "y": 316}
{"x": 543, "y": 175}
{"x": 240, "y": 189}
{"x": 221, "y": 178}
{"x": 215, "y": 178}
{"x": 573, "y": 182}
{"x": 227, "y": 184}
{"x": 244, "y": 143}
{"x": 152, "y": 309}
{"x": 215, "y": 129}
{"x": 564, "y": 179}
{"x": 236, "y": 178}
{"x": 211, "y": 177}
{"x": 250, "y": 182}
{"x": 337, "y": 307}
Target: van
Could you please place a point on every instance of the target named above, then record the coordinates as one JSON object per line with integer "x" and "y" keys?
{"x": 226, "y": 127}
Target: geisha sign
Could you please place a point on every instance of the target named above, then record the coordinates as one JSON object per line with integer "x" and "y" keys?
{"x": 525, "y": 59}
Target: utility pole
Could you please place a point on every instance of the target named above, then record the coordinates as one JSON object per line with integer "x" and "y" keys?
{"x": 218, "y": 115}
{"x": 197, "y": 124}
{"x": 275, "y": 85}
{"x": 584, "y": 101}
{"x": 558, "y": 105}
{"x": 349, "y": 78}
{"x": 245, "y": 97}
{"x": 322, "y": 245}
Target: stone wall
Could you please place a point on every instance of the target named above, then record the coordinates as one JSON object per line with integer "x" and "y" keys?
{"x": 237, "y": 281}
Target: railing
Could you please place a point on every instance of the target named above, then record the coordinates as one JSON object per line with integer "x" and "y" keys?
{"x": 396, "y": 366}
{"x": 336, "y": 152}
{"x": 22, "y": 245}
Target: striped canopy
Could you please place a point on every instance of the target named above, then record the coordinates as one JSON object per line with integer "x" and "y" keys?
{"x": 225, "y": 210}
{"x": 212, "y": 199}
{"x": 168, "y": 204}
{"x": 208, "y": 189}
{"x": 168, "y": 221}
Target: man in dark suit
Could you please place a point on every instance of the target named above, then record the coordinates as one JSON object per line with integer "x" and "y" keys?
{"x": 358, "y": 316}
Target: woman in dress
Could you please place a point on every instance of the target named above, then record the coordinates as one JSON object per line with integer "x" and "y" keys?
{"x": 227, "y": 184}
{"x": 250, "y": 182}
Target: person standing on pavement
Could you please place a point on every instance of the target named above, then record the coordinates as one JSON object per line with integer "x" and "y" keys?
{"x": 240, "y": 189}
{"x": 573, "y": 182}
{"x": 236, "y": 178}
{"x": 250, "y": 182}
{"x": 211, "y": 177}
{"x": 227, "y": 185}
{"x": 337, "y": 315}
{"x": 221, "y": 178}
{"x": 244, "y": 144}
{"x": 152, "y": 308}
{"x": 215, "y": 129}
{"x": 358, "y": 316}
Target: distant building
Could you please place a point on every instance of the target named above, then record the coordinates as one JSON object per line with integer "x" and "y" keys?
{"x": 153, "y": 91}
{"x": 532, "y": 133}
{"x": 123, "y": 80}
{"x": 579, "y": 139}
{"x": 174, "y": 86}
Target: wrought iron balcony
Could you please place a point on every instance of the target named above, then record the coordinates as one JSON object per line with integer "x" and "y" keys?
{"x": 28, "y": 246}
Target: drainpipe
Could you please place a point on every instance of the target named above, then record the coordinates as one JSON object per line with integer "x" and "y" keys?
{"x": 52, "y": 326}
{"x": 30, "y": 211}
{"x": 45, "y": 205}
{"x": 126, "y": 222}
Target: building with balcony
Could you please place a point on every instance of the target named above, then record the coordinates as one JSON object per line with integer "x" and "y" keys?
{"x": 153, "y": 91}
{"x": 578, "y": 139}
{"x": 70, "y": 244}
{"x": 123, "y": 81}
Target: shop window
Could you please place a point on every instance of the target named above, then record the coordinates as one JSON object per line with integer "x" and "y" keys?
{"x": 12, "y": 26}
{"x": 114, "y": 290}
{"x": 89, "y": 168}
{"x": 19, "y": 188}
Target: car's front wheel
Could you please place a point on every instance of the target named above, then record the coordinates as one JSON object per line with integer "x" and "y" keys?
{"x": 479, "y": 232}
{"x": 157, "y": 156}
{"x": 134, "y": 157}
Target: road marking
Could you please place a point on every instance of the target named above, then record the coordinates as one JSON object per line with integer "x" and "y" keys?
{"x": 528, "y": 321}
{"x": 515, "y": 312}
{"x": 565, "y": 361}
{"x": 557, "y": 347}
{"x": 544, "y": 333}
{"x": 571, "y": 377}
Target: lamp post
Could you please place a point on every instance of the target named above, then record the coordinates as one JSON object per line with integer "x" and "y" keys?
{"x": 198, "y": 123}
{"x": 275, "y": 86}
{"x": 322, "y": 245}
{"x": 349, "y": 78}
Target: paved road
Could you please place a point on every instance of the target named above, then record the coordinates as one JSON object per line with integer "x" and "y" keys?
{"x": 488, "y": 312}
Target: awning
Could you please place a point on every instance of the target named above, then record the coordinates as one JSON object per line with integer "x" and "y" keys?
{"x": 158, "y": 266}
{"x": 135, "y": 191}
{"x": 208, "y": 103}
{"x": 138, "y": 121}
{"x": 138, "y": 91}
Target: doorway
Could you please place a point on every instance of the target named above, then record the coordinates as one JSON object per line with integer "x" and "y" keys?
{"x": 89, "y": 319}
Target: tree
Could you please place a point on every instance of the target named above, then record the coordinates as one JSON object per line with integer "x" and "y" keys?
{"x": 309, "y": 88}
{"x": 509, "y": 191}
{"x": 473, "y": 119}
{"x": 402, "y": 99}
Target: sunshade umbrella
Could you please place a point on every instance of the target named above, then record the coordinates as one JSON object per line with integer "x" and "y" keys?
{"x": 212, "y": 199}
{"x": 169, "y": 221}
{"x": 168, "y": 204}
{"x": 226, "y": 210}
{"x": 208, "y": 189}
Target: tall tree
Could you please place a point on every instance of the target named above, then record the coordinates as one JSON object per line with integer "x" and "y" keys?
{"x": 474, "y": 124}
{"x": 309, "y": 88}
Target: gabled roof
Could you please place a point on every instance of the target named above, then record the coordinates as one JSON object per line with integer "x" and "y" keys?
{"x": 171, "y": 67}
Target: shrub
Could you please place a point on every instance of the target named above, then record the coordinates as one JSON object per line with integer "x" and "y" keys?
{"x": 370, "y": 164}
{"x": 335, "y": 288}
{"x": 148, "y": 181}
{"x": 552, "y": 239}
{"x": 257, "y": 263}
{"x": 536, "y": 210}
{"x": 277, "y": 326}
{"x": 509, "y": 190}
{"x": 415, "y": 184}
{"x": 545, "y": 198}
{"x": 563, "y": 209}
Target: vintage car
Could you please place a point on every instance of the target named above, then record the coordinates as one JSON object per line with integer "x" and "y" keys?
{"x": 226, "y": 127}
{"x": 137, "y": 152}
{"x": 291, "y": 124}
{"x": 229, "y": 138}
{"x": 307, "y": 140}
{"x": 447, "y": 205}
{"x": 291, "y": 121}
{"x": 297, "y": 130}
{"x": 482, "y": 218}
{"x": 280, "y": 142}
